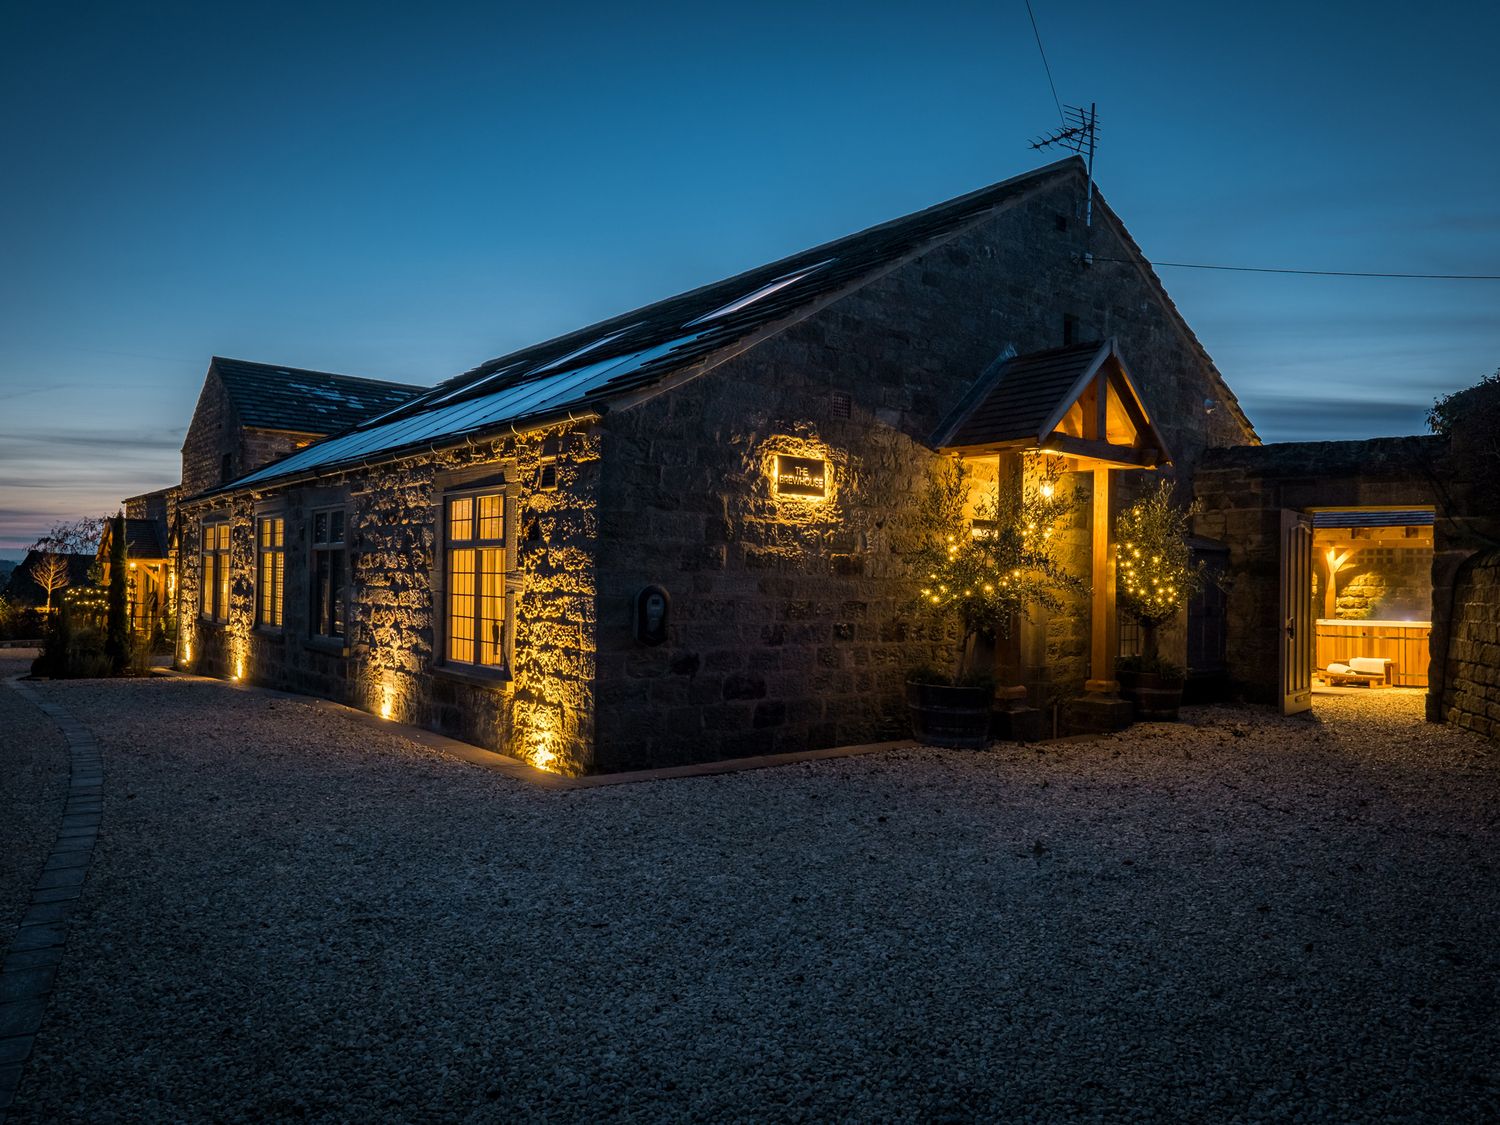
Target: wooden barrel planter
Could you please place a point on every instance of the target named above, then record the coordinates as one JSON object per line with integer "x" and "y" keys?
{"x": 957, "y": 718}
{"x": 1156, "y": 697}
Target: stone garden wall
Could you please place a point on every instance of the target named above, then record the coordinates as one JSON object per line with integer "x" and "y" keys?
{"x": 790, "y": 624}
{"x": 1242, "y": 492}
{"x": 1471, "y": 696}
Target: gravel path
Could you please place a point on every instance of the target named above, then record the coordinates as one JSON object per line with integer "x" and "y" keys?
{"x": 1242, "y": 917}
{"x": 33, "y": 787}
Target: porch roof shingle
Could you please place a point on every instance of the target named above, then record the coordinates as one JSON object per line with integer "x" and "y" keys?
{"x": 1017, "y": 396}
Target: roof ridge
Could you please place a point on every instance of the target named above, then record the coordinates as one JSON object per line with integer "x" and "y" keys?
{"x": 289, "y": 369}
{"x": 620, "y": 323}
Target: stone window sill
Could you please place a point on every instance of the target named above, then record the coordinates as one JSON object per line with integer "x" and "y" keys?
{"x": 330, "y": 646}
{"x": 269, "y": 632}
{"x": 494, "y": 679}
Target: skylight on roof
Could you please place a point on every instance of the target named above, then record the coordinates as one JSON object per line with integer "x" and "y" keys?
{"x": 760, "y": 294}
{"x": 462, "y": 388}
{"x": 576, "y": 352}
{"x": 557, "y": 390}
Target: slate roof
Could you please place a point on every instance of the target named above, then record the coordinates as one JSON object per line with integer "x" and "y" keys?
{"x": 272, "y": 397}
{"x": 583, "y": 371}
{"x": 144, "y": 539}
{"x": 1016, "y": 396}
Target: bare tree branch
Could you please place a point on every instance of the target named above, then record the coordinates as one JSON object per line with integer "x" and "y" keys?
{"x": 50, "y": 572}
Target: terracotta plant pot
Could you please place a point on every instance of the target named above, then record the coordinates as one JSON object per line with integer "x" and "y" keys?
{"x": 957, "y": 718}
{"x": 1156, "y": 697}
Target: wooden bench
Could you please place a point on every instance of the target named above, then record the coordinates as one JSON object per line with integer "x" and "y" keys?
{"x": 1336, "y": 679}
{"x": 1360, "y": 670}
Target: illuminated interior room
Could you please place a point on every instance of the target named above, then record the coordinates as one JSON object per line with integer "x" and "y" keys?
{"x": 1372, "y": 597}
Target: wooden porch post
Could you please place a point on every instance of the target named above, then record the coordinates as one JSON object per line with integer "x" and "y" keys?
{"x": 1103, "y": 625}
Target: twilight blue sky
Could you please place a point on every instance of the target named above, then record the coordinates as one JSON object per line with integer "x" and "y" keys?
{"x": 402, "y": 191}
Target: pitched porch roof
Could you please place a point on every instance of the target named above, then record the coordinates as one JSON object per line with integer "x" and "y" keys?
{"x": 144, "y": 539}
{"x": 1078, "y": 400}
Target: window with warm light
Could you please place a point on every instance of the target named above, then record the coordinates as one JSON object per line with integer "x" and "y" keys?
{"x": 330, "y": 569}
{"x": 271, "y": 542}
{"x": 213, "y": 571}
{"x": 475, "y": 528}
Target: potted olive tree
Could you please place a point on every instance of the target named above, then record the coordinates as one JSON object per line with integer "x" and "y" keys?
{"x": 981, "y": 572}
{"x": 1155, "y": 578}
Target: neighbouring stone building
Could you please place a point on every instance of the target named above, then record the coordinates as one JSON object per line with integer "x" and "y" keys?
{"x": 250, "y": 414}
{"x": 247, "y": 415}
{"x": 677, "y": 535}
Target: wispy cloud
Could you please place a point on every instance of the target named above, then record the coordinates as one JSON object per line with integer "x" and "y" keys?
{"x": 1316, "y": 418}
{"x": 57, "y": 441}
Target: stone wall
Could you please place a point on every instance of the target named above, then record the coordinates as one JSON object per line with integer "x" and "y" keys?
{"x": 212, "y": 433}
{"x": 1471, "y": 694}
{"x": 1385, "y": 582}
{"x": 790, "y": 627}
{"x": 388, "y": 663}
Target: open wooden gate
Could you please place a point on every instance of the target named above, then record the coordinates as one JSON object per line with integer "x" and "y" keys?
{"x": 1297, "y": 629}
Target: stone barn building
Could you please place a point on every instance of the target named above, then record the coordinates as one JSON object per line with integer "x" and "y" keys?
{"x": 676, "y": 535}
{"x": 248, "y": 415}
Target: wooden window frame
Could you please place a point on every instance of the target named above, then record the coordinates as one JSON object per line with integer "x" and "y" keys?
{"x": 319, "y": 601}
{"x": 449, "y": 587}
{"x": 270, "y": 589}
{"x": 213, "y": 592}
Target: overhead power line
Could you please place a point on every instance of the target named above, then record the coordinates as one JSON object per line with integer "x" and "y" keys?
{"x": 1319, "y": 273}
{"x": 1045, "y": 64}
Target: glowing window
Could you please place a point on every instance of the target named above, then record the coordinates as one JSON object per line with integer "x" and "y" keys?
{"x": 213, "y": 572}
{"x": 476, "y": 587}
{"x": 271, "y": 542}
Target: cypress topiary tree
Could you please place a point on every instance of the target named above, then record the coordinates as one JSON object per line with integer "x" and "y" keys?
{"x": 117, "y": 619}
{"x": 1155, "y": 576}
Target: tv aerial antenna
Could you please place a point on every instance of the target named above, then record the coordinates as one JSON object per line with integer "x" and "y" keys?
{"x": 1079, "y": 133}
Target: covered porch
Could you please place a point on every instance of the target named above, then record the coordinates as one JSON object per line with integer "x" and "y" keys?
{"x": 149, "y": 580}
{"x": 1080, "y": 406}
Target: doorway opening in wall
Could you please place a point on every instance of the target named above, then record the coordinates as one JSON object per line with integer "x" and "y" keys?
{"x": 1371, "y": 599}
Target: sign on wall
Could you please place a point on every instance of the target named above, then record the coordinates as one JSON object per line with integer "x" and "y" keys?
{"x": 804, "y": 478}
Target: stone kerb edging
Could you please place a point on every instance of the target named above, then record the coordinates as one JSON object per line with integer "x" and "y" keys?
{"x": 30, "y": 966}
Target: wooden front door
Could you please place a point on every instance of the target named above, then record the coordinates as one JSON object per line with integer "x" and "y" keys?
{"x": 1296, "y": 619}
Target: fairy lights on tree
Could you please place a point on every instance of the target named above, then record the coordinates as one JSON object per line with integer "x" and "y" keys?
{"x": 1155, "y": 576}
{"x": 1006, "y": 559}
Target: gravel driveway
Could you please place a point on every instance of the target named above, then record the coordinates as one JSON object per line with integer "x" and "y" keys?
{"x": 290, "y": 915}
{"x": 33, "y": 786}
